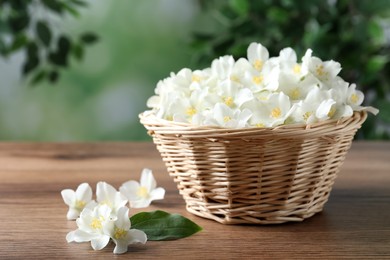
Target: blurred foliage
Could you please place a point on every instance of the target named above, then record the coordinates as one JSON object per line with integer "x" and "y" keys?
{"x": 350, "y": 32}
{"x": 99, "y": 97}
{"x": 23, "y": 28}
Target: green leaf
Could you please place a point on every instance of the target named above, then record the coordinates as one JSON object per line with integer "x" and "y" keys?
{"x": 53, "y": 76}
{"x": 376, "y": 63}
{"x": 78, "y": 2}
{"x": 159, "y": 225}
{"x": 43, "y": 32}
{"x": 60, "y": 57}
{"x": 31, "y": 63}
{"x": 384, "y": 110}
{"x": 55, "y": 6}
{"x": 19, "y": 22}
{"x": 38, "y": 77}
{"x": 89, "y": 38}
{"x": 19, "y": 41}
{"x": 32, "y": 49}
{"x": 241, "y": 7}
{"x": 78, "y": 51}
{"x": 72, "y": 10}
{"x": 64, "y": 45}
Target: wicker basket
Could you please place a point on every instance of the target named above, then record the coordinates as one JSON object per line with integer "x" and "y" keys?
{"x": 254, "y": 175}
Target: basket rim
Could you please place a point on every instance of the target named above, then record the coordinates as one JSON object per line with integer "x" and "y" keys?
{"x": 153, "y": 123}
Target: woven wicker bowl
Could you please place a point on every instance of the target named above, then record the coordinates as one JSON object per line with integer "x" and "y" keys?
{"x": 254, "y": 175}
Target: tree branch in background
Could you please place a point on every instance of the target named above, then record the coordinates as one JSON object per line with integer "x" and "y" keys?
{"x": 47, "y": 51}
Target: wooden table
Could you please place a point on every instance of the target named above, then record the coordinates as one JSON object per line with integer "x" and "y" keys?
{"x": 354, "y": 224}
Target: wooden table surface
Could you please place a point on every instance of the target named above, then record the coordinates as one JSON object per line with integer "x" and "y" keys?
{"x": 354, "y": 224}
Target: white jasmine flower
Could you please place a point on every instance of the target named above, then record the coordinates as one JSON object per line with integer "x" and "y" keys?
{"x": 121, "y": 233}
{"x": 324, "y": 70}
{"x": 222, "y": 68}
{"x": 233, "y": 95}
{"x": 354, "y": 97}
{"x": 223, "y": 115}
{"x": 271, "y": 112}
{"x": 78, "y": 200}
{"x": 296, "y": 88}
{"x": 140, "y": 195}
{"x": 218, "y": 95}
{"x": 266, "y": 79}
{"x": 257, "y": 55}
{"x": 108, "y": 195}
{"x": 306, "y": 110}
{"x": 93, "y": 226}
{"x": 326, "y": 109}
{"x": 238, "y": 71}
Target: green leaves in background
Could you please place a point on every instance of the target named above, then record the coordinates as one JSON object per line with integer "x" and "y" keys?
{"x": 350, "y": 32}
{"x": 46, "y": 54}
{"x": 160, "y": 225}
{"x": 43, "y": 33}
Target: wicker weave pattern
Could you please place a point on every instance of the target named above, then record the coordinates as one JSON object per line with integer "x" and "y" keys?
{"x": 254, "y": 175}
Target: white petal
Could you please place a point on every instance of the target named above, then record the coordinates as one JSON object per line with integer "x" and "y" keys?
{"x": 147, "y": 179}
{"x": 129, "y": 190}
{"x": 121, "y": 246}
{"x": 84, "y": 192}
{"x": 79, "y": 236}
{"x": 141, "y": 203}
{"x": 256, "y": 51}
{"x": 104, "y": 211}
{"x": 100, "y": 243}
{"x": 324, "y": 108}
{"x": 370, "y": 109}
{"x": 120, "y": 201}
{"x": 72, "y": 214}
{"x": 105, "y": 192}
{"x": 333, "y": 68}
{"x": 157, "y": 194}
{"x": 70, "y": 236}
{"x": 69, "y": 197}
{"x": 288, "y": 54}
{"x": 244, "y": 95}
{"x": 136, "y": 236}
{"x": 123, "y": 221}
{"x": 91, "y": 205}
{"x": 153, "y": 102}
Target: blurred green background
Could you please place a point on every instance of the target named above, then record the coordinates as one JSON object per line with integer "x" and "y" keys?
{"x": 140, "y": 42}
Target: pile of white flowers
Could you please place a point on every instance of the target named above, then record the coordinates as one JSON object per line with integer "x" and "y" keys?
{"x": 258, "y": 92}
{"x": 108, "y": 218}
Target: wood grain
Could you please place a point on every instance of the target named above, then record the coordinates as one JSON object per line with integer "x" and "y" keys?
{"x": 355, "y": 223}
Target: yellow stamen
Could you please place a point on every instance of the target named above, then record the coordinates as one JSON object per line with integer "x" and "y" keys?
{"x": 228, "y": 101}
{"x": 191, "y": 111}
{"x": 297, "y": 68}
{"x": 320, "y": 70}
{"x": 142, "y": 192}
{"x": 307, "y": 115}
{"x": 276, "y": 112}
{"x": 169, "y": 118}
{"x": 119, "y": 233}
{"x": 258, "y": 64}
{"x": 295, "y": 93}
{"x": 332, "y": 111}
{"x": 258, "y": 79}
{"x": 259, "y": 125}
{"x": 106, "y": 202}
{"x": 234, "y": 78}
{"x": 196, "y": 78}
{"x": 96, "y": 223}
{"x": 227, "y": 119}
{"x": 80, "y": 204}
{"x": 354, "y": 98}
